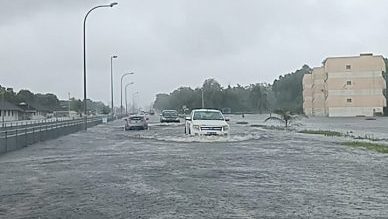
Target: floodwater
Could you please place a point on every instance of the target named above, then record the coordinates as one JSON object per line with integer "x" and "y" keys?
{"x": 161, "y": 173}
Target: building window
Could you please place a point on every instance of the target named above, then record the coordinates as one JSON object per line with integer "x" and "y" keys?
{"x": 348, "y": 82}
{"x": 12, "y": 113}
{"x": 348, "y": 67}
{"x": 349, "y": 100}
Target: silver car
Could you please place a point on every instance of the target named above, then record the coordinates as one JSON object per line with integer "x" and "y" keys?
{"x": 169, "y": 116}
{"x": 136, "y": 122}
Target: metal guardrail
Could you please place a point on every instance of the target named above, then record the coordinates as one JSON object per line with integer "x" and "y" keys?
{"x": 23, "y": 135}
{"x": 8, "y": 124}
{"x": 24, "y": 124}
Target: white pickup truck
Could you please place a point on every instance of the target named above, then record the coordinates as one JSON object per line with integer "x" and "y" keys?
{"x": 206, "y": 122}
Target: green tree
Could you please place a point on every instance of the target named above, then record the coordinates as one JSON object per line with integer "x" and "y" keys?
{"x": 240, "y": 99}
{"x": 26, "y": 96}
{"x": 162, "y": 102}
{"x": 184, "y": 96}
{"x": 76, "y": 105}
{"x": 47, "y": 101}
{"x": 10, "y": 95}
{"x": 256, "y": 98}
{"x": 106, "y": 110}
{"x": 288, "y": 90}
{"x": 212, "y": 94}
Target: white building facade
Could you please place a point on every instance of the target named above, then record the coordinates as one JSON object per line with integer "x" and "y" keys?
{"x": 346, "y": 87}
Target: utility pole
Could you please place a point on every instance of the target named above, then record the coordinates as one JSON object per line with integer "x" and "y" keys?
{"x": 111, "y": 82}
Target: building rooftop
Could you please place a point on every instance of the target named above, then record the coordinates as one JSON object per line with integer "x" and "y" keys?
{"x": 352, "y": 57}
{"x": 5, "y": 105}
{"x": 33, "y": 107}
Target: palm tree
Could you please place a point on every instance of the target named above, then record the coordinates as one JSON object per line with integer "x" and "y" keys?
{"x": 283, "y": 116}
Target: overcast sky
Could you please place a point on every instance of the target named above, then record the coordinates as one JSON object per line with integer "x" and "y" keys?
{"x": 173, "y": 43}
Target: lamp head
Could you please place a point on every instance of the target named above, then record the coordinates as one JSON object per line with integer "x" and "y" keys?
{"x": 114, "y": 57}
{"x": 113, "y": 4}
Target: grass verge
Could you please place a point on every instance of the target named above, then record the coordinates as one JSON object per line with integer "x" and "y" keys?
{"x": 322, "y": 132}
{"x": 381, "y": 148}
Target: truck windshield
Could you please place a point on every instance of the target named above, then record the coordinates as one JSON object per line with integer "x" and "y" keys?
{"x": 207, "y": 115}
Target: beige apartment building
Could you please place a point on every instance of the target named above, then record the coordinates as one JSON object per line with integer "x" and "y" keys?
{"x": 346, "y": 87}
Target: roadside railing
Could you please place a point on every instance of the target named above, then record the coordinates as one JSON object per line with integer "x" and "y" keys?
{"x": 10, "y": 124}
{"x": 21, "y": 136}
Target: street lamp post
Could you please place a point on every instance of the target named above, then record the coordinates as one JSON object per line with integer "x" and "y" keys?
{"x": 111, "y": 82}
{"x": 126, "y": 98}
{"x": 84, "y": 47}
{"x": 121, "y": 91}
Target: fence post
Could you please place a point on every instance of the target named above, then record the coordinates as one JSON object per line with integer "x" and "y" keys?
{"x": 6, "y": 141}
{"x": 16, "y": 140}
{"x": 25, "y": 137}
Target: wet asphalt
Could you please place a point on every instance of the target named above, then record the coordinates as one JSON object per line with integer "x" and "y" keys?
{"x": 161, "y": 173}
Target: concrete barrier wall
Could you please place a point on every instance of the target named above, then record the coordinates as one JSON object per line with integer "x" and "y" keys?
{"x": 17, "y": 138}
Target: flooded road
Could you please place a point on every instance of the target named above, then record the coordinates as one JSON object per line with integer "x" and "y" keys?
{"x": 161, "y": 173}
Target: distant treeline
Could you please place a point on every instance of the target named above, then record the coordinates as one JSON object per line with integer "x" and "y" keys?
{"x": 49, "y": 102}
{"x": 285, "y": 93}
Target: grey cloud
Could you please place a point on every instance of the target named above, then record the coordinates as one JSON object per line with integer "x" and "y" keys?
{"x": 178, "y": 42}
